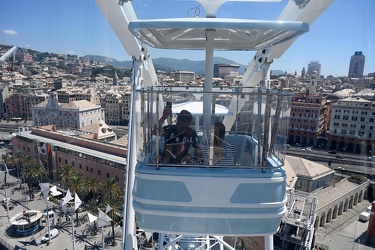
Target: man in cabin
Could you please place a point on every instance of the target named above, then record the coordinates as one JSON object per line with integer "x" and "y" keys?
{"x": 177, "y": 138}
{"x": 222, "y": 151}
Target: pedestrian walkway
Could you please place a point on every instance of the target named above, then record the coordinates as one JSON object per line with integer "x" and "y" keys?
{"x": 85, "y": 235}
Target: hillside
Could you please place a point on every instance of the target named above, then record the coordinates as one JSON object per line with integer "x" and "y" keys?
{"x": 164, "y": 63}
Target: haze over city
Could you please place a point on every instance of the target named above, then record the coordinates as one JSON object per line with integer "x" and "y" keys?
{"x": 78, "y": 27}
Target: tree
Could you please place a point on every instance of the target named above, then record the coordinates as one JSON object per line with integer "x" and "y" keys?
{"x": 77, "y": 186}
{"x": 31, "y": 172}
{"x": 17, "y": 160}
{"x": 112, "y": 189}
{"x": 114, "y": 214}
{"x": 93, "y": 185}
{"x": 92, "y": 207}
{"x": 7, "y": 159}
{"x": 65, "y": 173}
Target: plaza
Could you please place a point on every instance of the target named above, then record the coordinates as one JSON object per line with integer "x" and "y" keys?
{"x": 85, "y": 236}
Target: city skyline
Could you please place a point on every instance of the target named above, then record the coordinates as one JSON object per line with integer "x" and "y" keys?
{"x": 79, "y": 28}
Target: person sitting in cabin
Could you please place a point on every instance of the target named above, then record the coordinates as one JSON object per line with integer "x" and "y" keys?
{"x": 177, "y": 138}
{"x": 223, "y": 151}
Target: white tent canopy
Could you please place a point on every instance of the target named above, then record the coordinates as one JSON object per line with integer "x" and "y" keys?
{"x": 196, "y": 108}
{"x": 54, "y": 191}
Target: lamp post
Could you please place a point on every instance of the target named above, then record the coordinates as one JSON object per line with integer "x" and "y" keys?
{"x": 6, "y": 171}
{"x": 45, "y": 190}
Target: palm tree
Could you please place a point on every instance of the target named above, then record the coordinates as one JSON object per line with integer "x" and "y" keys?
{"x": 112, "y": 189}
{"x": 93, "y": 185}
{"x": 17, "y": 160}
{"x": 92, "y": 207}
{"x": 77, "y": 186}
{"x": 7, "y": 159}
{"x": 65, "y": 173}
{"x": 33, "y": 172}
{"x": 114, "y": 214}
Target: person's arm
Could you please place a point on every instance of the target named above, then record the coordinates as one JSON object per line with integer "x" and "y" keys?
{"x": 159, "y": 124}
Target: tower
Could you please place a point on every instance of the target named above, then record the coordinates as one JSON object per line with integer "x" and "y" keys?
{"x": 357, "y": 65}
{"x": 314, "y": 66}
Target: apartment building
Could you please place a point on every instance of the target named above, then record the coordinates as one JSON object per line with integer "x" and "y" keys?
{"x": 352, "y": 125}
{"x": 15, "y": 106}
{"x": 307, "y": 120}
{"x": 113, "y": 108}
{"x": 184, "y": 76}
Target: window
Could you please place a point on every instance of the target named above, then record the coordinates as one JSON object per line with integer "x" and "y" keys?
{"x": 66, "y": 161}
{"x": 80, "y": 166}
{"x": 87, "y": 168}
{"x": 91, "y": 170}
{"x": 59, "y": 159}
{"x": 354, "y": 118}
{"x": 345, "y": 117}
{"x": 99, "y": 173}
{"x": 107, "y": 175}
{"x": 371, "y": 120}
{"x": 362, "y": 119}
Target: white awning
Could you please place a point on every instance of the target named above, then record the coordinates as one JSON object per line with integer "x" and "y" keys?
{"x": 196, "y": 108}
{"x": 54, "y": 191}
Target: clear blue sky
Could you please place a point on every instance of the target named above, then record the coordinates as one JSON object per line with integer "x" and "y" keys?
{"x": 78, "y": 27}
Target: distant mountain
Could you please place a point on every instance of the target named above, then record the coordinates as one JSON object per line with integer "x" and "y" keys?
{"x": 164, "y": 64}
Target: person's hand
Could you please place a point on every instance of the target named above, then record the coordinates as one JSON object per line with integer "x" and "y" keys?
{"x": 166, "y": 113}
{"x": 186, "y": 160}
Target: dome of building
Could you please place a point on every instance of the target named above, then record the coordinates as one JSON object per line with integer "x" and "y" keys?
{"x": 340, "y": 94}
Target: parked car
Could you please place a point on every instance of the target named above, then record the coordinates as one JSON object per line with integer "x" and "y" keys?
{"x": 286, "y": 146}
{"x": 332, "y": 152}
{"x": 53, "y": 233}
{"x": 364, "y": 216}
{"x": 371, "y": 158}
{"x": 339, "y": 156}
{"x": 307, "y": 149}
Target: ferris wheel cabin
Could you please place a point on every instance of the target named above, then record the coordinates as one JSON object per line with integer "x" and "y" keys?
{"x": 246, "y": 197}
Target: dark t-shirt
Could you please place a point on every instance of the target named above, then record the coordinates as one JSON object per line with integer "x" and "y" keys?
{"x": 178, "y": 143}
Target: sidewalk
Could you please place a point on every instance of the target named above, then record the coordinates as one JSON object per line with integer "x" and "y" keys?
{"x": 84, "y": 235}
{"x": 346, "y": 231}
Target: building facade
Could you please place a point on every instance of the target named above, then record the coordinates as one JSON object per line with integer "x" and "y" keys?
{"x": 184, "y": 76}
{"x": 70, "y": 147}
{"x": 307, "y": 119}
{"x": 222, "y": 70}
{"x": 314, "y": 67}
{"x": 357, "y": 65}
{"x": 352, "y": 127}
{"x": 76, "y": 114}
